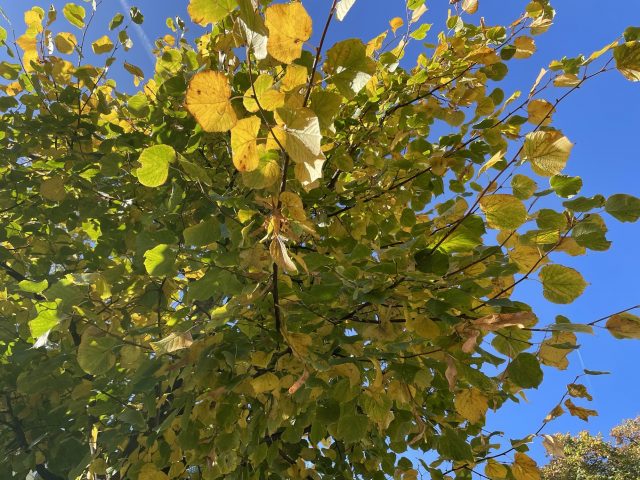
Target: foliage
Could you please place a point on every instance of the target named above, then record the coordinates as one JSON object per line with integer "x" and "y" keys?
{"x": 268, "y": 261}
{"x": 591, "y": 457}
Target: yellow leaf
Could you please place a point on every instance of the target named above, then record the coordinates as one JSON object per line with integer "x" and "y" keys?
{"x": 540, "y": 112}
{"x": 102, "y": 45}
{"x": 495, "y": 470}
{"x": 172, "y": 342}
{"x": 375, "y": 44}
{"x": 267, "y": 98}
{"x": 396, "y": 23}
{"x": 526, "y": 257}
{"x": 525, "y": 47}
{"x": 470, "y": 6}
{"x": 289, "y": 27}
{"x": 208, "y": 100}
{"x": 280, "y": 255}
{"x": 491, "y": 162}
{"x": 548, "y": 152}
{"x": 566, "y": 80}
{"x": 494, "y": 322}
{"x": 65, "y": 42}
{"x": 503, "y": 212}
{"x": 472, "y": 404}
{"x": 554, "y": 356}
{"x": 265, "y": 383}
{"x": 309, "y": 172}
{"x": 525, "y": 468}
{"x": 204, "y": 12}
{"x": 624, "y": 325}
{"x": 581, "y": 413}
{"x": 243, "y": 144}
{"x": 296, "y": 76}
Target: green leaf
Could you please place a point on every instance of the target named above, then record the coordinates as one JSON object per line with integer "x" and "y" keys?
{"x": 565, "y": 186}
{"x": 349, "y": 67}
{"x": 625, "y": 208}
{"x": 204, "y": 12}
{"x": 74, "y": 14}
{"x": 95, "y": 352}
{"x": 202, "y": 234}
{"x": 159, "y": 260}
{"x": 116, "y": 21}
{"x": 47, "y": 319}
{"x": 525, "y": 371}
{"x": 154, "y": 162}
{"x": 627, "y": 58}
{"x": 561, "y": 284}
{"x": 432, "y": 262}
{"x": 352, "y": 428}
{"x": 523, "y": 187}
{"x": 453, "y": 444}
{"x": 503, "y": 212}
{"x": 33, "y": 287}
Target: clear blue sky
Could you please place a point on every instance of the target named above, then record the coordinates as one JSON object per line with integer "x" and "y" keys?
{"x": 603, "y": 121}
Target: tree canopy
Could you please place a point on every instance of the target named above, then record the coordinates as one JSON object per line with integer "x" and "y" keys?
{"x": 269, "y": 261}
{"x": 591, "y": 457}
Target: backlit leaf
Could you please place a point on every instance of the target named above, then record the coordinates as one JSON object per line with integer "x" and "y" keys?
{"x": 154, "y": 161}
{"x": 547, "y": 151}
{"x": 172, "y": 343}
{"x": 472, "y": 404}
{"x": 243, "y": 143}
{"x": 561, "y": 284}
{"x": 503, "y": 212}
{"x": 75, "y": 14}
{"x": 204, "y": 12}
{"x": 289, "y": 28}
{"x": 209, "y": 101}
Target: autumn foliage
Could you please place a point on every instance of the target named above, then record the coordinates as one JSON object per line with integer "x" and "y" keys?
{"x": 268, "y": 261}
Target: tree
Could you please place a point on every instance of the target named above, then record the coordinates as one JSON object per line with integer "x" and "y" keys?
{"x": 263, "y": 264}
{"x": 591, "y": 457}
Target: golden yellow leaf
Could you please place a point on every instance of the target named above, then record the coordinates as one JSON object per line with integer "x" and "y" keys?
{"x": 470, "y": 6}
{"x": 65, "y": 42}
{"x": 539, "y": 112}
{"x": 526, "y": 257}
{"x": 296, "y": 76}
{"x": 243, "y": 144}
{"x": 208, "y": 100}
{"x": 289, "y": 27}
{"x": 267, "y": 98}
{"x": 525, "y": 47}
{"x": 554, "y": 356}
{"x": 472, "y": 404}
{"x": 548, "y": 152}
{"x": 525, "y": 468}
{"x": 102, "y": 45}
{"x": 396, "y": 23}
{"x": 495, "y": 470}
{"x": 375, "y": 44}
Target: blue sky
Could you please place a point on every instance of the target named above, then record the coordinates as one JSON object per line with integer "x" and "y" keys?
{"x": 603, "y": 121}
